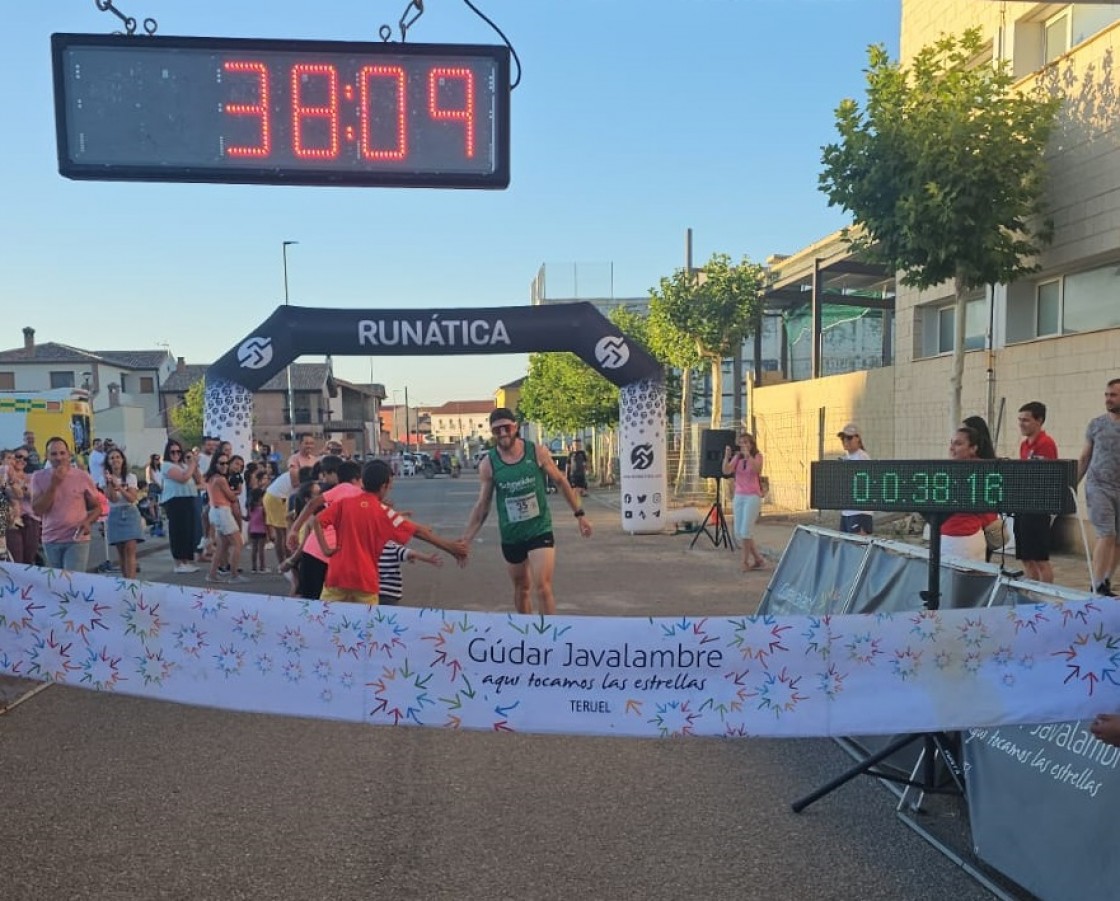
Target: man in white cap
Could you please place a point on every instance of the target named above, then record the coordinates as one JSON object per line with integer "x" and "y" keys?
{"x": 856, "y": 522}
{"x": 515, "y": 470}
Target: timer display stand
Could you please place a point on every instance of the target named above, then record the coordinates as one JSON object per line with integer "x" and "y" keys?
{"x": 934, "y": 744}
{"x": 719, "y": 534}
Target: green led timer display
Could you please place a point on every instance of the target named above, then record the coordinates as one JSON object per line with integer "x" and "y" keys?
{"x": 952, "y": 486}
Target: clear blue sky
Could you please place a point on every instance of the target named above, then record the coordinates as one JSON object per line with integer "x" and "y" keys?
{"x": 634, "y": 120}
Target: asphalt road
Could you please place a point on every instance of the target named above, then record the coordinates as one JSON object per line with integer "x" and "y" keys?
{"x": 115, "y": 798}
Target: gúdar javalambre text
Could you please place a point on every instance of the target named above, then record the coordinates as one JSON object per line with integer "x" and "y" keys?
{"x": 523, "y": 653}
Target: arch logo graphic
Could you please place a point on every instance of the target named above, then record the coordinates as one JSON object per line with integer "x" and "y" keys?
{"x": 255, "y": 353}
{"x": 612, "y": 352}
{"x": 641, "y": 457}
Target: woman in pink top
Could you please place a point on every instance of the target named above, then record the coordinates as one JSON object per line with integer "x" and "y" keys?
{"x": 745, "y": 464}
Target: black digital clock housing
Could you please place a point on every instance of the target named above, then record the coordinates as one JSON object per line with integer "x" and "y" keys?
{"x": 945, "y": 486}
{"x": 232, "y": 110}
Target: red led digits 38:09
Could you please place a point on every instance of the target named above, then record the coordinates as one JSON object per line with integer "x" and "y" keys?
{"x": 281, "y": 112}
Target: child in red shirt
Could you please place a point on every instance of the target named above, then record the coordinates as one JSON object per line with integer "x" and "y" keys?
{"x": 363, "y": 524}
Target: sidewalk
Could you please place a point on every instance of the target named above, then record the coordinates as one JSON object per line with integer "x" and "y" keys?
{"x": 100, "y": 552}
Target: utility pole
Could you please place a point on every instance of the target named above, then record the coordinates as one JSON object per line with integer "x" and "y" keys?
{"x": 407, "y": 430}
{"x": 288, "y": 369}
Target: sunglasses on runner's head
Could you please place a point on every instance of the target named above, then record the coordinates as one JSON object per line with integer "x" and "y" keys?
{"x": 19, "y": 457}
{"x": 503, "y": 429}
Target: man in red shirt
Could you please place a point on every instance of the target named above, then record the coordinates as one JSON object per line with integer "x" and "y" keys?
{"x": 1032, "y": 531}
{"x": 363, "y": 524}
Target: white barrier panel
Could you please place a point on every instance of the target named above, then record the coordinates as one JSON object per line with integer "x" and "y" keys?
{"x": 803, "y": 676}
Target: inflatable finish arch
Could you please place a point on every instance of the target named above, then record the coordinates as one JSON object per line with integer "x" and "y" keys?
{"x": 579, "y": 328}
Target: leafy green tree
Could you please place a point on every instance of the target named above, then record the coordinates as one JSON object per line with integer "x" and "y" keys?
{"x": 669, "y": 343}
{"x": 714, "y": 308}
{"x": 943, "y": 172}
{"x": 186, "y": 419}
{"x": 639, "y": 327}
{"x": 564, "y": 394}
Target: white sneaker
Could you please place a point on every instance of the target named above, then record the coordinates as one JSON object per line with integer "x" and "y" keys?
{"x": 186, "y": 568}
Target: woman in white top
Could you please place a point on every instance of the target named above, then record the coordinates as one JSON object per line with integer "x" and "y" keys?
{"x": 225, "y": 520}
{"x": 854, "y": 522}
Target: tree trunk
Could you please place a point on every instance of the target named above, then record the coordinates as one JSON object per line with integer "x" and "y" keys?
{"x": 686, "y": 423}
{"x": 956, "y": 380}
{"x": 717, "y": 393}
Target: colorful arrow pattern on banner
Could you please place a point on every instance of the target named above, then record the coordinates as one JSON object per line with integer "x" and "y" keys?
{"x": 803, "y": 676}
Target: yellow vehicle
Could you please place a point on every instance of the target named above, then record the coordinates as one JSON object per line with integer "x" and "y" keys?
{"x": 64, "y": 412}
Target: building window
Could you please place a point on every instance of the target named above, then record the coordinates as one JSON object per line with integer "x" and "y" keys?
{"x": 946, "y": 326}
{"x": 976, "y": 324}
{"x": 62, "y": 379}
{"x": 147, "y": 384}
{"x": 124, "y": 383}
{"x": 7, "y": 381}
{"x": 939, "y": 322}
{"x": 1078, "y": 302}
{"x": 1048, "y": 308}
{"x": 1040, "y": 39}
{"x": 1089, "y": 299}
{"x": 1087, "y": 19}
{"x": 1055, "y": 36}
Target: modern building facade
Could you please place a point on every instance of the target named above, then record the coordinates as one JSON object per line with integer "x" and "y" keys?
{"x": 1052, "y": 337}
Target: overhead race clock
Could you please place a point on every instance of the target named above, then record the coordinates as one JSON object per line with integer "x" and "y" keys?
{"x": 944, "y": 486}
{"x": 241, "y": 111}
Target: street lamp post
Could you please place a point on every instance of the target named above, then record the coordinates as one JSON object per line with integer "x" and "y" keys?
{"x": 291, "y": 395}
{"x": 407, "y": 432}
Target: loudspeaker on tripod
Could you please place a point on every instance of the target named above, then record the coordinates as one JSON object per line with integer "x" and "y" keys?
{"x": 712, "y": 443}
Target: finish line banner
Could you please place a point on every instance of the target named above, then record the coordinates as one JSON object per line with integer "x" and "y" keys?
{"x": 789, "y": 676}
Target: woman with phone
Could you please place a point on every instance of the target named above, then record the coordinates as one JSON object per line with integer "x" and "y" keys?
{"x": 125, "y": 529}
{"x": 744, "y": 464}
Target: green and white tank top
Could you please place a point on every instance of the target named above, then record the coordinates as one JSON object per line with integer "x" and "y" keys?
{"x": 520, "y": 494}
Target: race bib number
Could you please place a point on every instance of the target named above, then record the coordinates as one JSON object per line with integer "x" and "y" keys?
{"x": 519, "y": 509}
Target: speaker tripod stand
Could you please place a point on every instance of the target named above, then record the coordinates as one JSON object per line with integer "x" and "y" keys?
{"x": 719, "y": 534}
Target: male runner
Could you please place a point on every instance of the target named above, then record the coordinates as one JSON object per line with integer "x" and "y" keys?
{"x": 515, "y": 470}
